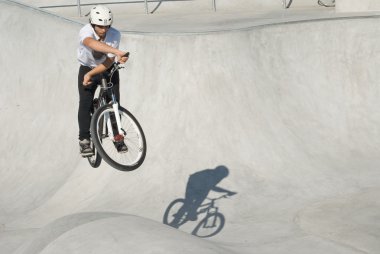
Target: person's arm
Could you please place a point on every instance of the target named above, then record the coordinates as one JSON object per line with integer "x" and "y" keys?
{"x": 104, "y": 48}
{"x": 218, "y": 189}
{"x": 97, "y": 70}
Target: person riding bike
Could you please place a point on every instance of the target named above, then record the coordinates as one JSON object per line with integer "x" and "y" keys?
{"x": 98, "y": 48}
{"x": 200, "y": 184}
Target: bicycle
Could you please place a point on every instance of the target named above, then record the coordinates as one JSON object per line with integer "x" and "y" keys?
{"x": 213, "y": 222}
{"x": 113, "y": 126}
{"x": 286, "y": 3}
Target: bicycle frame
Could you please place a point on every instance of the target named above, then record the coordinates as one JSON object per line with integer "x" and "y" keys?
{"x": 209, "y": 208}
{"x": 106, "y": 87}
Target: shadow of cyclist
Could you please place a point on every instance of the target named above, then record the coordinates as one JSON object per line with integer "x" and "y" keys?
{"x": 198, "y": 187}
{"x": 200, "y": 184}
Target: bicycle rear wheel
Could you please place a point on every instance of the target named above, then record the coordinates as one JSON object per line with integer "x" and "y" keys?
{"x": 96, "y": 159}
{"x": 134, "y": 138}
{"x": 176, "y": 213}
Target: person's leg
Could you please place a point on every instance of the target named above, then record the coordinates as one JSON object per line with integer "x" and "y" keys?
{"x": 194, "y": 196}
{"x": 86, "y": 95}
{"x": 196, "y": 203}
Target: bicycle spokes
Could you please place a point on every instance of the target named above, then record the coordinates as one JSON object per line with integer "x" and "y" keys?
{"x": 124, "y": 143}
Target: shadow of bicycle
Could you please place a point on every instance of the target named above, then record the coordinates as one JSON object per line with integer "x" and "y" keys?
{"x": 196, "y": 205}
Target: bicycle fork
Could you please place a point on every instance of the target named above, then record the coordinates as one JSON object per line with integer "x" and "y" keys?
{"x": 211, "y": 217}
{"x": 120, "y": 133}
{"x": 116, "y": 134}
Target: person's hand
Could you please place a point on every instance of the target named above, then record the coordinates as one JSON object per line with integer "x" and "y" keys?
{"x": 122, "y": 58}
{"x": 87, "y": 80}
{"x": 231, "y": 193}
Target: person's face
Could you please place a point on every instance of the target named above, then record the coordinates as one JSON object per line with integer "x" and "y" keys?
{"x": 101, "y": 30}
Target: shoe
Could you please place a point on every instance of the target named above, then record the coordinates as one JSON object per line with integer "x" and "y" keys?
{"x": 192, "y": 216}
{"x": 85, "y": 148}
{"x": 121, "y": 147}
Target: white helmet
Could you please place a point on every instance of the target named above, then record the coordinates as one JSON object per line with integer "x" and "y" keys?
{"x": 101, "y": 15}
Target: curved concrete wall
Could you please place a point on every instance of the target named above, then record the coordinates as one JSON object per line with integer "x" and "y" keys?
{"x": 357, "y": 6}
{"x": 290, "y": 109}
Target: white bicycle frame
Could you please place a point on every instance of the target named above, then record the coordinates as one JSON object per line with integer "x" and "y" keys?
{"x": 115, "y": 106}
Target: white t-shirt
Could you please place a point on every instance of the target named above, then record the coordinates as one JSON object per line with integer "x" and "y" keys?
{"x": 89, "y": 57}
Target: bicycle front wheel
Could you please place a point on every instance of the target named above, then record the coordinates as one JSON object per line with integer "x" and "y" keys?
{"x": 134, "y": 139}
{"x": 211, "y": 225}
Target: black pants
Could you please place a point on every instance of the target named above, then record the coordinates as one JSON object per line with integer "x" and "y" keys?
{"x": 86, "y": 96}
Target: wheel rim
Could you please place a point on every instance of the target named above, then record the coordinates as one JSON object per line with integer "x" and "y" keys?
{"x": 94, "y": 158}
{"x": 133, "y": 139}
{"x": 176, "y": 215}
{"x": 209, "y": 226}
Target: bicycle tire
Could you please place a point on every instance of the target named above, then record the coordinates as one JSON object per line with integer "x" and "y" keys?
{"x": 287, "y": 3}
{"x": 99, "y": 138}
{"x": 202, "y": 225}
{"x": 177, "y": 210}
{"x": 96, "y": 159}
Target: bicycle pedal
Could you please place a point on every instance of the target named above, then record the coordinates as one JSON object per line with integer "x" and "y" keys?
{"x": 87, "y": 155}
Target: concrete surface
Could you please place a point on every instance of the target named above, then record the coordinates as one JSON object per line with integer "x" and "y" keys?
{"x": 290, "y": 108}
{"x": 354, "y": 6}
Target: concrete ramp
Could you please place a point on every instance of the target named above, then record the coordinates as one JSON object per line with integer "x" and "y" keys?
{"x": 290, "y": 109}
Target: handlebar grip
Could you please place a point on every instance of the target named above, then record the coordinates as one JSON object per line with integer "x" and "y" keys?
{"x": 126, "y": 55}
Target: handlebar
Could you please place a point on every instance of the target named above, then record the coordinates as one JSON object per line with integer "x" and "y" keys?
{"x": 108, "y": 75}
{"x": 228, "y": 195}
{"x": 126, "y": 55}
{"x": 223, "y": 196}
{"x": 116, "y": 66}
